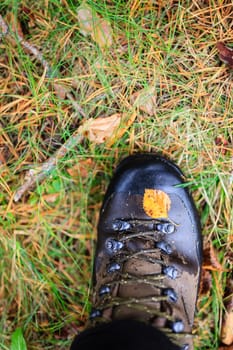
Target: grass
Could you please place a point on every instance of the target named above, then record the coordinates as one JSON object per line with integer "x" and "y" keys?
{"x": 47, "y": 239}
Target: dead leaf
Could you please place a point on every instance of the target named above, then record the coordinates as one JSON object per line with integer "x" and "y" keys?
{"x": 210, "y": 260}
{"x": 90, "y": 23}
{"x": 28, "y": 17}
{"x": 85, "y": 18}
{"x": 101, "y": 129}
{"x": 229, "y": 251}
{"x": 226, "y": 347}
{"x": 225, "y": 53}
{"x": 156, "y": 203}
{"x": 60, "y": 90}
{"x": 103, "y": 33}
{"x": 51, "y": 198}
{"x": 227, "y": 327}
{"x": 145, "y": 100}
{"x": 127, "y": 119}
{"x": 107, "y": 129}
{"x": 14, "y": 23}
{"x": 82, "y": 168}
{"x": 2, "y": 156}
{"x": 222, "y": 144}
{"x": 205, "y": 282}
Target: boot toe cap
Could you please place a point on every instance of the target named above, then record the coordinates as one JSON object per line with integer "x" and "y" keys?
{"x": 139, "y": 172}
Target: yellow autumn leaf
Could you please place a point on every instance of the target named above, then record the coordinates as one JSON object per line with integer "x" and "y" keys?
{"x": 90, "y": 23}
{"x": 156, "y": 203}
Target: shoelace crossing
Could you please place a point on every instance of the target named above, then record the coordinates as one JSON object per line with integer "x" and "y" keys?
{"x": 146, "y": 230}
{"x": 119, "y": 258}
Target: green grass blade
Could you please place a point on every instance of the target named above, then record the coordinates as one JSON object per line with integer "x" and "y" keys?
{"x": 17, "y": 340}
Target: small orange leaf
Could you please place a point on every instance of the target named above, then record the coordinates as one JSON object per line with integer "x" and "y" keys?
{"x": 156, "y": 203}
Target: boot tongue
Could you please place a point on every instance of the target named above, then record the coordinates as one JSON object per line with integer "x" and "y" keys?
{"x": 140, "y": 269}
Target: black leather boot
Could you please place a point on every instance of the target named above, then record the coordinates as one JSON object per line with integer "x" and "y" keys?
{"x": 149, "y": 247}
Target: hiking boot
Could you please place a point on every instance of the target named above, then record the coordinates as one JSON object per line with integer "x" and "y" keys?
{"x": 149, "y": 247}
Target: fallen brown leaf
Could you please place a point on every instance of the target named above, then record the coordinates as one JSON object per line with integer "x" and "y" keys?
{"x": 14, "y": 23}
{"x": 50, "y": 198}
{"x": 2, "y": 156}
{"x": 222, "y": 143}
{"x": 90, "y": 23}
{"x": 85, "y": 16}
{"x": 126, "y": 121}
{"x": 102, "y": 34}
{"x": 82, "y": 168}
{"x": 205, "y": 282}
{"x": 227, "y": 329}
{"x": 210, "y": 260}
{"x": 60, "y": 90}
{"x": 145, "y": 100}
{"x": 225, "y": 53}
{"x": 101, "y": 129}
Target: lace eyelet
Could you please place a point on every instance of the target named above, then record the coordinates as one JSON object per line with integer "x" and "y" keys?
{"x": 113, "y": 267}
{"x": 164, "y": 246}
{"x": 104, "y": 290}
{"x": 166, "y": 228}
{"x": 113, "y": 246}
{"x": 171, "y": 272}
{"x": 121, "y": 225}
{"x": 185, "y": 347}
{"x": 177, "y": 326}
{"x": 171, "y": 294}
{"x": 95, "y": 313}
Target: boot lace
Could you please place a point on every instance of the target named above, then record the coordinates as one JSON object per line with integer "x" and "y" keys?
{"x": 151, "y": 231}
